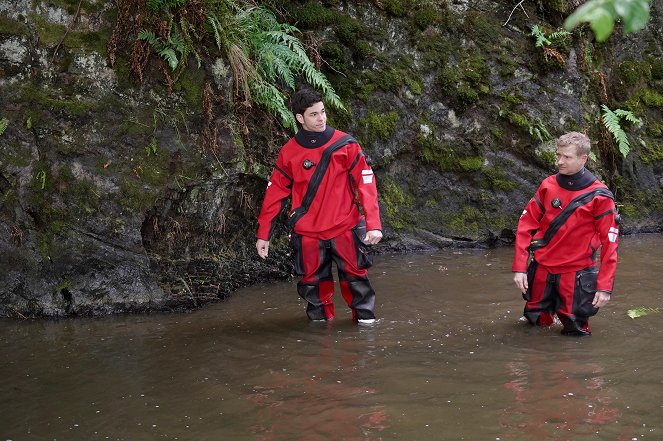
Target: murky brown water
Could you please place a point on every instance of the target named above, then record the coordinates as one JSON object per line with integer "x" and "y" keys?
{"x": 449, "y": 360}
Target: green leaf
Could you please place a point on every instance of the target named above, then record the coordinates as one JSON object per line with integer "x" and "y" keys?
{"x": 602, "y": 15}
{"x": 602, "y": 23}
{"x": 4, "y": 123}
{"x": 641, "y": 311}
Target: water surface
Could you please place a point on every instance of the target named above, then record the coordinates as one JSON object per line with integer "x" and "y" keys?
{"x": 449, "y": 359}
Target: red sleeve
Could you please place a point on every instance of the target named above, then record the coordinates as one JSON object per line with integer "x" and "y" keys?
{"x": 605, "y": 220}
{"x": 278, "y": 190}
{"x": 364, "y": 180}
{"x": 527, "y": 227}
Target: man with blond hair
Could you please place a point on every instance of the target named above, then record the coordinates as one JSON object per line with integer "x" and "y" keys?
{"x": 558, "y": 237}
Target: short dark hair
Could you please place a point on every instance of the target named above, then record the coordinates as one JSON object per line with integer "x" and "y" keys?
{"x": 303, "y": 99}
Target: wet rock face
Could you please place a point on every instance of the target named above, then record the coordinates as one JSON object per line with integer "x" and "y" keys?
{"x": 112, "y": 200}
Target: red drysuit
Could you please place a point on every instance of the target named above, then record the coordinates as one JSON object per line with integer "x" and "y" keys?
{"x": 325, "y": 233}
{"x": 563, "y": 225}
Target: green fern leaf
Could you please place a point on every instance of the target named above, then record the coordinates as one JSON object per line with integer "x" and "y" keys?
{"x": 611, "y": 122}
{"x": 4, "y": 123}
{"x": 559, "y": 35}
{"x": 628, "y": 115}
{"x": 149, "y": 37}
{"x": 541, "y": 39}
{"x": 169, "y": 55}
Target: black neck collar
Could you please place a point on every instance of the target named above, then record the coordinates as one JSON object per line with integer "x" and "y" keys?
{"x": 314, "y": 139}
{"x": 583, "y": 179}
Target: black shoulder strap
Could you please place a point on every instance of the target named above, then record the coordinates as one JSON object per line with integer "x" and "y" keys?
{"x": 316, "y": 179}
{"x": 566, "y": 213}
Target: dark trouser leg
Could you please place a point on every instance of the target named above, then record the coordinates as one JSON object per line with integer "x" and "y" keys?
{"x": 360, "y": 297}
{"x": 317, "y": 284}
{"x": 319, "y": 304}
{"x": 355, "y": 286}
{"x": 541, "y": 296}
{"x": 577, "y": 290}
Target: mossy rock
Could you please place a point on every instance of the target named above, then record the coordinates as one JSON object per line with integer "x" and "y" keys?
{"x": 397, "y": 203}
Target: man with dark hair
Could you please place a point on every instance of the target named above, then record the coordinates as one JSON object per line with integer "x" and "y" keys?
{"x": 325, "y": 173}
{"x": 562, "y": 227}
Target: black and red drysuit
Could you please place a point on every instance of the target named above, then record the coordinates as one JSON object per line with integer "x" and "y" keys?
{"x": 563, "y": 226}
{"x": 332, "y": 229}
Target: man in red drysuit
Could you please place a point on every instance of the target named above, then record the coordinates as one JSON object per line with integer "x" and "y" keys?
{"x": 562, "y": 226}
{"x": 324, "y": 172}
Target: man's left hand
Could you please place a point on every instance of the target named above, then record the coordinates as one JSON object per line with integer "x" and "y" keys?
{"x": 601, "y": 298}
{"x": 373, "y": 237}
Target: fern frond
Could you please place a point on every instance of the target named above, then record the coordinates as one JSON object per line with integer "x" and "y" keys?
{"x": 216, "y": 30}
{"x": 628, "y": 115}
{"x": 611, "y": 122}
{"x": 4, "y": 123}
{"x": 269, "y": 96}
{"x": 169, "y": 55}
{"x": 541, "y": 39}
{"x": 559, "y": 35}
{"x": 158, "y": 4}
{"x": 149, "y": 37}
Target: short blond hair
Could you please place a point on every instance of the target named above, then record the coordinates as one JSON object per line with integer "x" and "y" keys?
{"x": 579, "y": 140}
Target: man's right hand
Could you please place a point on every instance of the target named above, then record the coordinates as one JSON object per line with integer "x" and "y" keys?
{"x": 263, "y": 248}
{"x": 520, "y": 279}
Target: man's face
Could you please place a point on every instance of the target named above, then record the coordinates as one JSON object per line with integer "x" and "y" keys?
{"x": 568, "y": 161}
{"x": 314, "y": 118}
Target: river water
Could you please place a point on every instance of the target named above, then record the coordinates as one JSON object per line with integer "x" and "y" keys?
{"x": 449, "y": 359}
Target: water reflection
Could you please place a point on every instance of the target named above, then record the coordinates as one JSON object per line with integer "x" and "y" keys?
{"x": 557, "y": 399}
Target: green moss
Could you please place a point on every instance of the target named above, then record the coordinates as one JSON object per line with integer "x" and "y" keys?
{"x": 392, "y": 78}
{"x": 427, "y": 15}
{"x": 484, "y": 29}
{"x": 644, "y": 97}
{"x": 466, "y": 220}
{"x": 445, "y": 158}
{"x": 191, "y": 83}
{"x": 135, "y": 195}
{"x": 495, "y": 179}
{"x": 378, "y": 126}
{"x": 12, "y": 27}
{"x": 651, "y": 153}
{"x": 497, "y": 132}
{"x": 560, "y": 6}
{"x": 465, "y": 82}
{"x": 651, "y": 98}
{"x": 89, "y": 41}
{"x": 50, "y": 34}
{"x": 80, "y": 194}
{"x": 630, "y": 71}
{"x": 40, "y": 97}
{"x": 656, "y": 69}
{"x": 15, "y": 154}
{"x": 312, "y": 15}
{"x": 154, "y": 165}
{"x": 335, "y": 55}
{"x": 510, "y": 98}
{"x": 435, "y": 50}
{"x": 396, "y": 8}
{"x": 655, "y": 128}
{"x": 350, "y": 30}
{"x": 398, "y": 204}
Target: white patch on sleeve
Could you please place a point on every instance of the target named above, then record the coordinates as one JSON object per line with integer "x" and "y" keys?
{"x": 269, "y": 184}
{"x": 524, "y": 213}
{"x": 367, "y": 176}
{"x": 612, "y": 234}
